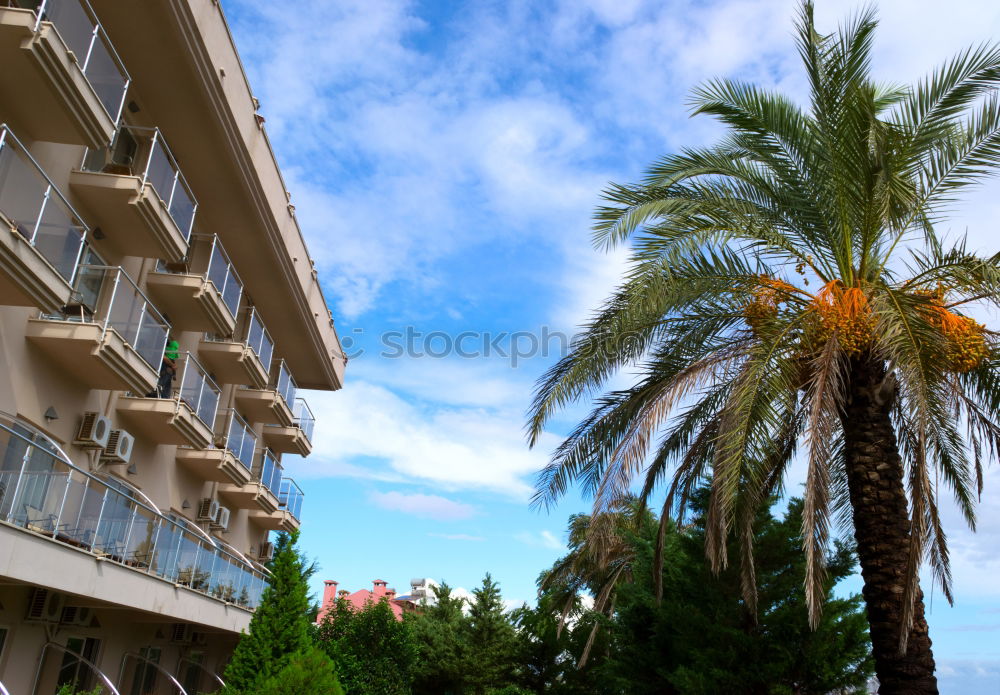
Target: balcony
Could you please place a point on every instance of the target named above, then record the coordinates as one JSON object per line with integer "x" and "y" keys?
{"x": 286, "y": 516}
{"x": 44, "y": 494}
{"x": 240, "y": 362}
{"x": 112, "y": 339}
{"x": 232, "y": 461}
{"x": 273, "y": 405}
{"x": 136, "y": 192}
{"x": 42, "y": 235}
{"x": 184, "y": 416}
{"x": 206, "y": 299}
{"x": 296, "y": 439}
{"x": 262, "y": 490}
{"x": 61, "y": 76}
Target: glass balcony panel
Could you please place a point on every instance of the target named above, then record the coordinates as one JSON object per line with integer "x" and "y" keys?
{"x": 141, "y": 539}
{"x": 241, "y": 440}
{"x": 136, "y": 320}
{"x": 59, "y": 238}
{"x": 286, "y": 384}
{"x": 114, "y": 524}
{"x": 304, "y": 417}
{"x": 166, "y": 549}
{"x": 37, "y": 210}
{"x": 81, "y": 512}
{"x": 258, "y": 338}
{"x": 74, "y": 20}
{"x": 223, "y": 276}
{"x": 270, "y": 472}
{"x": 199, "y": 391}
{"x": 291, "y": 497}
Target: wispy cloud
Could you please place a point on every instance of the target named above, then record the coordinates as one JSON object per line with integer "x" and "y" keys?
{"x": 457, "y": 537}
{"x": 425, "y": 506}
{"x": 540, "y": 539}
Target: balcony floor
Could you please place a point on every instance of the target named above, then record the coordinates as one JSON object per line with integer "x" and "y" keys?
{"x": 279, "y": 520}
{"x": 43, "y": 90}
{"x": 191, "y": 303}
{"x": 263, "y": 405}
{"x": 287, "y": 440}
{"x": 217, "y": 465}
{"x": 98, "y": 359}
{"x": 232, "y": 363}
{"x": 132, "y": 217}
{"x": 165, "y": 421}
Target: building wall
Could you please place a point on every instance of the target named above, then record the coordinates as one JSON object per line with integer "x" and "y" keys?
{"x": 207, "y": 116}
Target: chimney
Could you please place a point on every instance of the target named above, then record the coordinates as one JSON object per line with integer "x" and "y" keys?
{"x": 390, "y": 594}
{"x": 329, "y": 596}
{"x": 378, "y": 589}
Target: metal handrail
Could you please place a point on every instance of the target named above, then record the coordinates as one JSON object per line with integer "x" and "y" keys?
{"x": 160, "y": 525}
{"x": 158, "y": 667}
{"x": 78, "y": 657}
{"x": 7, "y": 137}
{"x": 205, "y": 380}
{"x": 3, "y": 689}
{"x": 97, "y": 33}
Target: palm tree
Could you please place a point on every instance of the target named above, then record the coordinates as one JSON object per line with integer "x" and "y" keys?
{"x": 788, "y": 290}
{"x": 601, "y": 557}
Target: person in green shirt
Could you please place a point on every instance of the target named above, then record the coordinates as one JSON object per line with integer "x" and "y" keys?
{"x": 168, "y": 368}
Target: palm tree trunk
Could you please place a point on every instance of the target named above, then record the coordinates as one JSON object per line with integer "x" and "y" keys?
{"x": 881, "y": 529}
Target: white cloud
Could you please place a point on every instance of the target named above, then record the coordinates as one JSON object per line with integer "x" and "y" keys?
{"x": 425, "y": 506}
{"x": 453, "y": 448}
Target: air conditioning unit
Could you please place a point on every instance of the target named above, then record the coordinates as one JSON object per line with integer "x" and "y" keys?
{"x": 208, "y": 509}
{"x": 266, "y": 553}
{"x": 181, "y": 633}
{"x": 119, "y": 448}
{"x": 45, "y": 606}
{"x": 222, "y": 519}
{"x": 95, "y": 430}
{"x": 77, "y": 615}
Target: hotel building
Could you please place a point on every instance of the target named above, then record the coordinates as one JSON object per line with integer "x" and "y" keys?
{"x": 158, "y": 312}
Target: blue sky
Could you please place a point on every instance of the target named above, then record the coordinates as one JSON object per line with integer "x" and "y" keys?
{"x": 444, "y": 159}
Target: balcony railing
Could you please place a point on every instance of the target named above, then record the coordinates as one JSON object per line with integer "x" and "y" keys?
{"x": 83, "y": 34}
{"x": 223, "y": 275}
{"x": 198, "y": 390}
{"x": 258, "y": 338}
{"x": 285, "y": 384}
{"x": 127, "y": 310}
{"x": 142, "y": 152}
{"x": 268, "y": 471}
{"x": 37, "y": 209}
{"x": 240, "y": 439}
{"x": 291, "y": 497}
{"x": 304, "y": 418}
{"x": 42, "y": 492}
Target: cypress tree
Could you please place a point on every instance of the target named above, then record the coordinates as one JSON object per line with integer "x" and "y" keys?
{"x": 491, "y": 639}
{"x": 279, "y": 629}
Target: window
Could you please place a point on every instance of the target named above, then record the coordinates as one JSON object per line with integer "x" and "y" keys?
{"x": 192, "y": 673}
{"x": 75, "y": 672}
{"x": 145, "y": 676}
